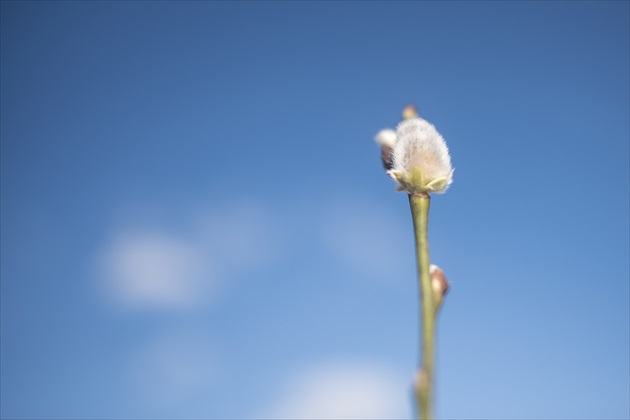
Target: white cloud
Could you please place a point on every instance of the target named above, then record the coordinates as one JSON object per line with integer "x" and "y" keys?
{"x": 147, "y": 265}
{"x": 344, "y": 391}
{"x": 154, "y": 269}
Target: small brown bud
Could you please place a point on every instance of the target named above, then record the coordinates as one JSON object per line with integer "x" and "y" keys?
{"x": 386, "y": 157}
{"x": 421, "y": 380}
{"x": 439, "y": 283}
{"x": 386, "y": 139}
{"x": 409, "y": 112}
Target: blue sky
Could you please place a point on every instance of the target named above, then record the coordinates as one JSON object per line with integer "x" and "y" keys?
{"x": 196, "y": 224}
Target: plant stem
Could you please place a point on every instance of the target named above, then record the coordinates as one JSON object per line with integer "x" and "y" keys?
{"x": 424, "y": 383}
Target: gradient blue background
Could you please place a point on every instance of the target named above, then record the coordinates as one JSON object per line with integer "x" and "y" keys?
{"x": 122, "y": 117}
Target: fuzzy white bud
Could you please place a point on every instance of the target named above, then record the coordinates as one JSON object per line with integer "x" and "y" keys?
{"x": 421, "y": 162}
{"x": 386, "y": 137}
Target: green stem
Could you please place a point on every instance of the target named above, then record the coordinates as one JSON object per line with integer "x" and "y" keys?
{"x": 424, "y": 384}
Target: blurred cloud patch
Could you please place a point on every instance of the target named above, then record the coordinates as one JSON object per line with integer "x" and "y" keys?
{"x": 159, "y": 264}
{"x": 155, "y": 269}
{"x": 344, "y": 390}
